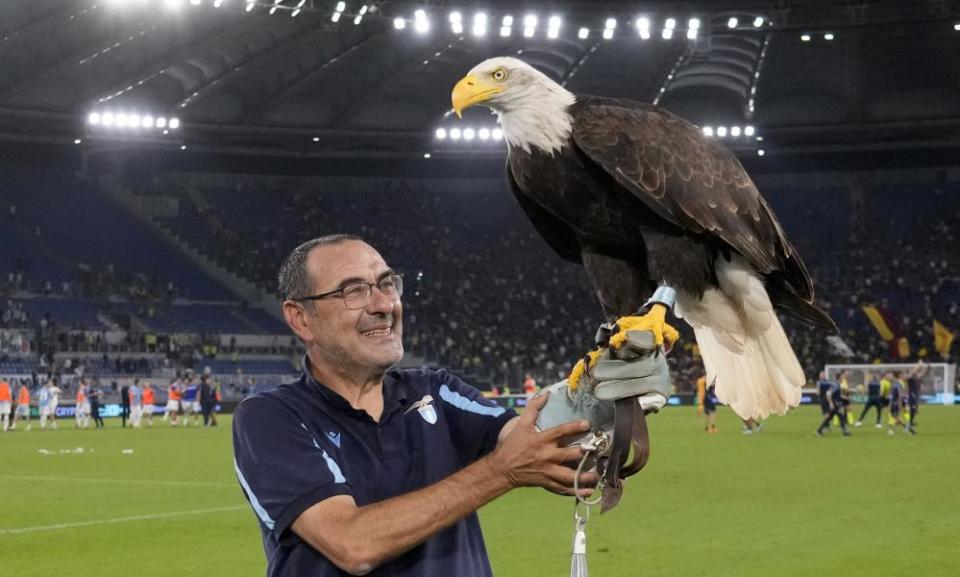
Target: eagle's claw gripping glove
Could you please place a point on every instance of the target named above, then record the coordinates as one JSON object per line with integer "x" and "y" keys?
{"x": 636, "y": 369}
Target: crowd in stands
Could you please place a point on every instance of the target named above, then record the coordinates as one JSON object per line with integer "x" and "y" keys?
{"x": 484, "y": 294}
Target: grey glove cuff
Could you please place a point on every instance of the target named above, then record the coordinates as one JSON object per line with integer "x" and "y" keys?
{"x": 664, "y": 295}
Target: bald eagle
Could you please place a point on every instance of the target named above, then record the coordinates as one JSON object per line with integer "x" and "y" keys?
{"x": 641, "y": 198}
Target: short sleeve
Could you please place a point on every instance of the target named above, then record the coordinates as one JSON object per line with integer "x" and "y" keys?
{"x": 474, "y": 421}
{"x": 281, "y": 466}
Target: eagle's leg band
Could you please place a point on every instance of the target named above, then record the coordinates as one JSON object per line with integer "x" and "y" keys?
{"x": 664, "y": 295}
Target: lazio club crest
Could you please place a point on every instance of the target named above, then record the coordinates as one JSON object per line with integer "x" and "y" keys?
{"x": 426, "y": 410}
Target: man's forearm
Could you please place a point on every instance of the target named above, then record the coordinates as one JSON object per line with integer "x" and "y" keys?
{"x": 373, "y": 534}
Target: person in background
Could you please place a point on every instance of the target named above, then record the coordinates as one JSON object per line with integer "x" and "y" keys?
{"x": 914, "y": 379}
{"x": 55, "y": 393}
{"x": 837, "y": 407}
{"x": 529, "y": 386}
{"x": 23, "y": 406}
{"x": 207, "y": 401}
{"x": 6, "y": 403}
{"x": 707, "y": 405}
{"x": 93, "y": 394}
{"x": 124, "y": 405}
{"x": 189, "y": 402}
{"x": 135, "y": 394}
{"x": 148, "y": 400}
{"x": 874, "y": 400}
{"x": 81, "y": 411}
{"x": 896, "y": 404}
{"x": 173, "y": 402}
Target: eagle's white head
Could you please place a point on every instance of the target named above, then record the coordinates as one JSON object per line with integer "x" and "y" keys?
{"x": 533, "y": 109}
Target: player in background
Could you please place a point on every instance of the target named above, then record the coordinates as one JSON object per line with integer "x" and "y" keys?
{"x": 135, "y": 395}
{"x": 81, "y": 411}
{"x": 896, "y": 404}
{"x": 190, "y": 402}
{"x": 55, "y": 393}
{"x": 23, "y": 407}
{"x": 914, "y": 379}
{"x": 874, "y": 401}
{"x": 173, "y": 402}
{"x": 837, "y": 407}
{"x": 6, "y": 403}
{"x": 148, "y": 400}
{"x": 707, "y": 405}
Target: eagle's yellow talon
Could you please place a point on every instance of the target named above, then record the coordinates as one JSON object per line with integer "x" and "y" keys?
{"x": 653, "y": 321}
{"x": 580, "y": 368}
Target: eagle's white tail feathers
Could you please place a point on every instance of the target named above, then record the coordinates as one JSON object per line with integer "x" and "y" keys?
{"x": 743, "y": 344}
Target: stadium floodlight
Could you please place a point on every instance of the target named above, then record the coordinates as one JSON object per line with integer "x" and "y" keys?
{"x": 363, "y": 9}
{"x": 693, "y": 28}
{"x": 93, "y": 118}
{"x": 217, "y": 3}
{"x": 173, "y": 4}
{"x": 399, "y": 23}
{"x": 357, "y": 19}
{"x": 554, "y": 22}
{"x": 273, "y": 10}
{"x": 161, "y": 122}
{"x": 828, "y": 36}
{"x": 441, "y": 133}
{"x": 183, "y": 147}
{"x": 761, "y": 152}
{"x": 295, "y": 13}
{"x": 480, "y": 24}
{"x": 483, "y": 134}
{"x": 758, "y": 22}
{"x": 426, "y": 155}
{"x": 643, "y": 27}
{"x": 553, "y": 33}
{"x": 507, "y": 20}
{"x": 504, "y": 31}
{"x": 721, "y": 131}
{"x": 496, "y": 134}
{"x": 749, "y": 130}
{"x": 957, "y": 26}
{"x": 607, "y": 33}
{"x": 250, "y": 6}
{"x": 455, "y": 17}
{"x": 456, "y": 28}
{"x": 196, "y": 2}
{"x": 708, "y": 131}
{"x": 735, "y": 131}
{"x": 107, "y": 119}
{"x": 468, "y": 134}
{"x": 805, "y": 38}
{"x": 583, "y": 34}
{"x": 530, "y": 21}
{"x": 341, "y": 6}
{"x": 420, "y": 22}
{"x": 732, "y": 22}
{"x": 335, "y": 17}
{"x": 147, "y": 121}
{"x": 759, "y": 139}
{"x": 529, "y": 31}
{"x": 77, "y": 141}
{"x": 174, "y": 123}
{"x": 611, "y": 23}
{"x": 668, "y": 28}
{"x": 455, "y": 134}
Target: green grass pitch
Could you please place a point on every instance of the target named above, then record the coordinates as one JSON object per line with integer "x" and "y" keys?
{"x": 782, "y": 502}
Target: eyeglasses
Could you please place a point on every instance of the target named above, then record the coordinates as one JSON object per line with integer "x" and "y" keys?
{"x": 357, "y": 295}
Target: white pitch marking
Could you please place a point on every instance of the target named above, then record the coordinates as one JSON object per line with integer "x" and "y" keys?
{"x": 17, "y": 531}
{"x": 140, "y": 481}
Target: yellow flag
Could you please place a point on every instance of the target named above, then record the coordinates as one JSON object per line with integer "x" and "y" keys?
{"x": 942, "y": 338}
{"x": 903, "y": 347}
{"x": 879, "y": 322}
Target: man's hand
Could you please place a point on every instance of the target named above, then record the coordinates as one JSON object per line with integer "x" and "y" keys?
{"x": 528, "y": 458}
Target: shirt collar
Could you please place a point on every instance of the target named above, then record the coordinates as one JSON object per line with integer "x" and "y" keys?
{"x": 395, "y": 393}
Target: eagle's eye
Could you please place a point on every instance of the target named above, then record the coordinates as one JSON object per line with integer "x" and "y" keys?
{"x": 499, "y": 74}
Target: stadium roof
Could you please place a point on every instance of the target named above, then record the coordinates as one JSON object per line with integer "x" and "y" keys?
{"x": 813, "y": 76}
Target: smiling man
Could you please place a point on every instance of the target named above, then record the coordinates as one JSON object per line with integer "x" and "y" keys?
{"x": 358, "y": 468}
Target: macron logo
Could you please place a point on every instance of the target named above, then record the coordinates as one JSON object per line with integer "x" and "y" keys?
{"x": 335, "y": 437}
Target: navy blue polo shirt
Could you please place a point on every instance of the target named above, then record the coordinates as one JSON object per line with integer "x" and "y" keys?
{"x": 302, "y": 443}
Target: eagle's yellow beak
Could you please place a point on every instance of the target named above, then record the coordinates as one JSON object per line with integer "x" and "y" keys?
{"x": 471, "y": 90}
